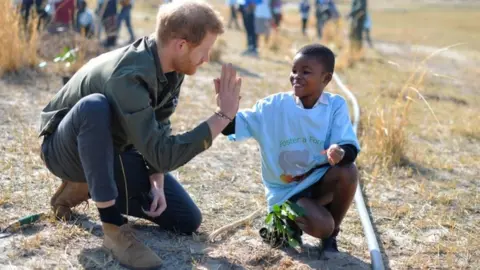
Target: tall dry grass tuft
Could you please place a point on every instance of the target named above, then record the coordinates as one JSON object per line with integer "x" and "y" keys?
{"x": 385, "y": 140}
{"x": 18, "y": 42}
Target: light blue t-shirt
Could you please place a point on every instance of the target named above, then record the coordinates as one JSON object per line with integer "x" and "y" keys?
{"x": 292, "y": 138}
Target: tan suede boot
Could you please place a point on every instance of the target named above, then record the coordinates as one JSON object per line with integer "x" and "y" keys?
{"x": 127, "y": 249}
{"x": 68, "y": 195}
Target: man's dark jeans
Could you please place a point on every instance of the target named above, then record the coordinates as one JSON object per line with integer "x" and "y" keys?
{"x": 81, "y": 149}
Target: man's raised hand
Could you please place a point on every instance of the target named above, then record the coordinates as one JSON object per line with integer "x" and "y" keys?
{"x": 227, "y": 89}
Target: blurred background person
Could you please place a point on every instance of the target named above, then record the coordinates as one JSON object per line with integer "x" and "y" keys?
{"x": 367, "y": 26}
{"x": 248, "y": 13}
{"x": 107, "y": 13}
{"x": 276, "y": 9}
{"x": 263, "y": 20}
{"x": 322, "y": 15}
{"x": 232, "y": 4}
{"x": 304, "y": 13}
{"x": 125, "y": 15}
{"x": 85, "y": 19}
{"x": 357, "y": 15}
{"x": 334, "y": 14}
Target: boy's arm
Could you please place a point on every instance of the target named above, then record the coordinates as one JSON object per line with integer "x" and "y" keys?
{"x": 351, "y": 153}
{"x": 342, "y": 132}
{"x": 248, "y": 122}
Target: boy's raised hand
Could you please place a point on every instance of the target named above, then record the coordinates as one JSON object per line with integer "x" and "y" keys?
{"x": 334, "y": 154}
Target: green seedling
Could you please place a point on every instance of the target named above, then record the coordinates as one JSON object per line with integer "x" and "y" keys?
{"x": 277, "y": 222}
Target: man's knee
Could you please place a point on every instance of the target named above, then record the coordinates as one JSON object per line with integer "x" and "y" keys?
{"x": 95, "y": 106}
{"x": 193, "y": 222}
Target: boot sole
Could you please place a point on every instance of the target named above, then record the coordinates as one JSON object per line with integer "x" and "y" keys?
{"x": 128, "y": 266}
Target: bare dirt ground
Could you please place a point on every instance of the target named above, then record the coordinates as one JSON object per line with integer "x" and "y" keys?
{"x": 426, "y": 210}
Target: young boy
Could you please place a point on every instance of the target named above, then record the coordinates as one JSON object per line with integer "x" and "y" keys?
{"x": 308, "y": 145}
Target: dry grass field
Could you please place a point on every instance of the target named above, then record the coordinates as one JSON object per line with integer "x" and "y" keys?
{"x": 419, "y": 131}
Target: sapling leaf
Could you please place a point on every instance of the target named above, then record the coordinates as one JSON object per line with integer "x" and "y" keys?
{"x": 292, "y": 242}
{"x": 295, "y": 208}
{"x": 276, "y": 208}
{"x": 279, "y": 226}
{"x": 269, "y": 218}
{"x": 292, "y": 216}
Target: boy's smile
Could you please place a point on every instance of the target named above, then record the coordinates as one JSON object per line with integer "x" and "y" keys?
{"x": 308, "y": 78}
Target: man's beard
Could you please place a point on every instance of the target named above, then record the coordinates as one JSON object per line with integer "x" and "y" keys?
{"x": 184, "y": 65}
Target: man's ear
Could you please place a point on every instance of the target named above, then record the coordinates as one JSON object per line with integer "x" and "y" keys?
{"x": 180, "y": 45}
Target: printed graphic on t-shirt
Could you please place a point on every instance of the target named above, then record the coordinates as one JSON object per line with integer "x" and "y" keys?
{"x": 297, "y": 162}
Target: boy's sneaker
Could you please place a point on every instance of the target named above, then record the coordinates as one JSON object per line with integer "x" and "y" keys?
{"x": 330, "y": 244}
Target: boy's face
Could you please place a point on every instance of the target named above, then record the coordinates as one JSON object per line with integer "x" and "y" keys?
{"x": 308, "y": 77}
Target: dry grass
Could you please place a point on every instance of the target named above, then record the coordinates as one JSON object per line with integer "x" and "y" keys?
{"x": 18, "y": 42}
{"x": 24, "y": 46}
{"x": 427, "y": 25}
{"x": 426, "y": 211}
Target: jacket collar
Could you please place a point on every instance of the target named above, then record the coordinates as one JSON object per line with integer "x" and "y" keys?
{"x": 152, "y": 45}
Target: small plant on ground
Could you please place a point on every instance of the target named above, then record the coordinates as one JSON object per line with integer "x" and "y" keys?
{"x": 279, "y": 230}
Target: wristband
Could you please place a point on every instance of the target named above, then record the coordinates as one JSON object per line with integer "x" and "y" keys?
{"x": 222, "y": 115}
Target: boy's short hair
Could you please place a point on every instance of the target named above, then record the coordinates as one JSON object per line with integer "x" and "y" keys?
{"x": 321, "y": 53}
{"x": 189, "y": 20}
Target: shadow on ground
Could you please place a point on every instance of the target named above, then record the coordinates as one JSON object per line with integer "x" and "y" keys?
{"x": 180, "y": 252}
{"x": 314, "y": 258}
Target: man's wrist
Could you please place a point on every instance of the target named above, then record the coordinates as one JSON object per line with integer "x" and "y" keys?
{"x": 156, "y": 180}
{"x": 223, "y": 115}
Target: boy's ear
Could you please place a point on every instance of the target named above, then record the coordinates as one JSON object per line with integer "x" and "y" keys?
{"x": 328, "y": 78}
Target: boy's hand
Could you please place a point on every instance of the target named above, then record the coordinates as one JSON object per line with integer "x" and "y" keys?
{"x": 334, "y": 154}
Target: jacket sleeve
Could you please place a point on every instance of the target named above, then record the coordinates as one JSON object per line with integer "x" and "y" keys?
{"x": 130, "y": 103}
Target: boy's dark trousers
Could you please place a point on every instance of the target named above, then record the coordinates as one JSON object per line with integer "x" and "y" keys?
{"x": 81, "y": 150}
